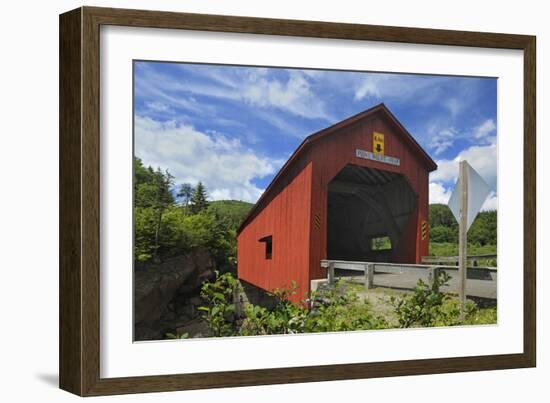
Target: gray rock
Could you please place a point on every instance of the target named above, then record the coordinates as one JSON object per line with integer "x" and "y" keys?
{"x": 196, "y": 328}
{"x": 196, "y": 301}
{"x": 157, "y": 285}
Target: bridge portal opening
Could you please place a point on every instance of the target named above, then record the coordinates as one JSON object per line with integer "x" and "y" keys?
{"x": 368, "y": 214}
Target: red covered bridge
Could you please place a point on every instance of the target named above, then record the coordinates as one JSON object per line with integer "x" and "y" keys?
{"x": 357, "y": 190}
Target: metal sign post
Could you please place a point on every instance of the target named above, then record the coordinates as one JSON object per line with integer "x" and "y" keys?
{"x": 462, "y": 236}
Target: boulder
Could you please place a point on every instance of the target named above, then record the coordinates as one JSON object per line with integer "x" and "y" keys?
{"x": 196, "y": 328}
{"x": 157, "y": 284}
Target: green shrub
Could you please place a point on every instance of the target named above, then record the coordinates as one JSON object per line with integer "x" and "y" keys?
{"x": 333, "y": 310}
{"x": 424, "y": 307}
{"x": 176, "y": 336}
{"x": 428, "y": 306}
{"x": 284, "y": 318}
{"x": 484, "y": 316}
{"x": 442, "y": 234}
{"x": 337, "y": 310}
{"x": 219, "y": 313}
{"x": 450, "y": 314}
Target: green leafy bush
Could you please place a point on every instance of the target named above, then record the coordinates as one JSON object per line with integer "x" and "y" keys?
{"x": 473, "y": 315}
{"x": 339, "y": 310}
{"x": 220, "y": 311}
{"x": 483, "y": 316}
{"x": 424, "y": 307}
{"x": 332, "y": 311}
{"x": 176, "y": 336}
{"x": 442, "y": 234}
{"x": 284, "y": 318}
{"x": 428, "y": 306}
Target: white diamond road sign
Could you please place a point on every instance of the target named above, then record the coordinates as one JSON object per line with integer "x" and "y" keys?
{"x": 478, "y": 190}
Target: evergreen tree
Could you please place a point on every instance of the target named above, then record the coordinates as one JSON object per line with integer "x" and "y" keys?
{"x": 199, "y": 200}
{"x": 444, "y": 228}
{"x": 441, "y": 215}
{"x": 164, "y": 198}
{"x": 185, "y": 192}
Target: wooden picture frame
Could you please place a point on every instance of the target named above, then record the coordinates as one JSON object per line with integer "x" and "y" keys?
{"x": 79, "y": 200}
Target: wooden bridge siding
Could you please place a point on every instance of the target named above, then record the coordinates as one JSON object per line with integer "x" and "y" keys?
{"x": 334, "y": 153}
{"x": 286, "y": 218}
{"x": 422, "y": 246}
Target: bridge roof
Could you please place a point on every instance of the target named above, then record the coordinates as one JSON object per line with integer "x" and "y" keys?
{"x": 311, "y": 140}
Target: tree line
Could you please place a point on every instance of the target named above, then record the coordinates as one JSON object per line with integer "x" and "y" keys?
{"x": 482, "y": 235}
{"x": 170, "y": 219}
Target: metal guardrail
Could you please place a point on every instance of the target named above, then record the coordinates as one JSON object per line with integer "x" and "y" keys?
{"x": 454, "y": 259}
{"x": 429, "y": 271}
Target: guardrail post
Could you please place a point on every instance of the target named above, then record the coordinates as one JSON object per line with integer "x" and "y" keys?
{"x": 433, "y": 274}
{"x": 237, "y": 300}
{"x": 369, "y": 276}
{"x": 331, "y": 273}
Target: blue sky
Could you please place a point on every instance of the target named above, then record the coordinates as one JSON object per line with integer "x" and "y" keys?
{"x": 232, "y": 127}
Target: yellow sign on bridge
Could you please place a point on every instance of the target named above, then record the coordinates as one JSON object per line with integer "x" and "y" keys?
{"x": 425, "y": 228}
{"x": 378, "y": 143}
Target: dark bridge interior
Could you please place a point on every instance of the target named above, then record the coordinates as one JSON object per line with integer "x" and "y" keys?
{"x": 368, "y": 210}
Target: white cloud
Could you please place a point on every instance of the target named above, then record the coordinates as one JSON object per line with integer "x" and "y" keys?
{"x": 254, "y": 86}
{"x": 440, "y": 145}
{"x": 491, "y": 203}
{"x": 441, "y": 194}
{"x": 442, "y": 139}
{"x": 225, "y": 167}
{"x": 282, "y": 124}
{"x": 482, "y": 158}
{"x": 424, "y": 90}
{"x": 157, "y": 106}
{"x": 444, "y": 136}
{"x": 454, "y": 106}
{"x": 294, "y": 95}
{"x": 145, "y": 88}
{"x": 369, "y": 87}
{"x": 438, "y": 193}
{"x": 486, "y": 128}
{"x": 447, "y": 171}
